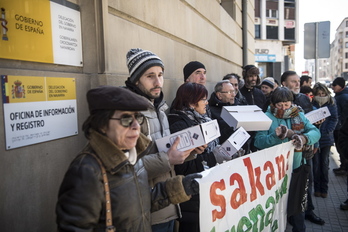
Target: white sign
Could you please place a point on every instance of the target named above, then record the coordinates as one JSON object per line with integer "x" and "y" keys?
{"x": 66, "y": 35}
{"x": 35, "y": 122}
{"x": 318, "y": 114}
{"x": 249, "y": 193}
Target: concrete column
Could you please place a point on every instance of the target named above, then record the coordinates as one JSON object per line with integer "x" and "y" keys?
{"x": 263, "y": 19}
{"x": 281, "y": 20}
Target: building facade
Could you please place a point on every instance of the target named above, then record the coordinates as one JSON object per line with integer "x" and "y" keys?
{"x": 275, "y": 35}
{"x": 339, "y": 51}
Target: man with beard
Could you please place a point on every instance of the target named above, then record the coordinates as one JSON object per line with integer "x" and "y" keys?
{"x": 253, "y": 95}
{"x": 146, "y": 79}
{"x": 291, "y": 80}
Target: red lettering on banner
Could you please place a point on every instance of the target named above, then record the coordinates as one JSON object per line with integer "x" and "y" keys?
{"x": 254, "y": 183}
{"x": 287, "y": 163}
{"x": 270, "y": 177}
{"x": 281, "y": 166}
{"x": 235, "y": 203}
{"x": 218, "y": 200}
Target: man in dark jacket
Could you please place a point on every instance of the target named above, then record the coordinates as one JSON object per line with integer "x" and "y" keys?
{"x": 291, "y": 80}
{"x": 223, "y": 95}
{"x": 341, "y": 97}
{"x": 253, "y": 95}
{"x": 342, "y": 142}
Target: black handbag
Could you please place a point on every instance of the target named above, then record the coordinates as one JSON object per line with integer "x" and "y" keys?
{"x": 297, "y": 198}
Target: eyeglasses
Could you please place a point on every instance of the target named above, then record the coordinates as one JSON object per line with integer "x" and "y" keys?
{"x": 127, "y": 120}
{"x": 229, "y": 92}
{"x": 234, "y": 84}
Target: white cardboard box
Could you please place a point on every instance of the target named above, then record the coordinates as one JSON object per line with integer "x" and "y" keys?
{"x": 234, "y": 142}
{"x": 191, "y": 137}
{"x": 317, "y": 115}
{"x": 250, "y": 117}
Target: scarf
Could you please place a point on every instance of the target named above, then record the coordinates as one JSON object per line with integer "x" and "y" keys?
{"x": 199, "y": 119}
{"x": 321, "y": 100}
{"x": 292, "y": 113}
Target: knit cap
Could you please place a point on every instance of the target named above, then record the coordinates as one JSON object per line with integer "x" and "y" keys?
{"x": 269, "y": 81}
{"x": 191, "y": 67}
{"x": 139, "y": 60}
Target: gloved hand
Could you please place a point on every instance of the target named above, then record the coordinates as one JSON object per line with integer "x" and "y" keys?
{"x": 191, "y": 186}
{"x": 220, "y": 157}
{"x": 299, "y": 141}
{"x": 283, "y": 132}
{"x": 239, "y": 153}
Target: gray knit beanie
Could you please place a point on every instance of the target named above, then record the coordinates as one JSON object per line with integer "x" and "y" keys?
{"x": 139, "y": 60}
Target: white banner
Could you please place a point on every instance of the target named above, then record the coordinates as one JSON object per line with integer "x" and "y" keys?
{"x": 249, "y": 193}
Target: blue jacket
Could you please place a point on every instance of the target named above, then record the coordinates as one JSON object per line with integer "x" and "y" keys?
{"x": 328, "y": 126}
{"x": 266, "y": 139}
{"x": 342, "y": 106}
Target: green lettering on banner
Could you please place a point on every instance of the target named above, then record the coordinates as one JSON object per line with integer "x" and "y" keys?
{"x": 253, "y": 214}
{"x": 269, "y": 215}
{"x": 244, "y": 221}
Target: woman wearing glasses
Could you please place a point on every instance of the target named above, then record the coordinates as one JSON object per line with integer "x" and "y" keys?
{"x": 190, "y": 110}
{"x": 106, "y": 186}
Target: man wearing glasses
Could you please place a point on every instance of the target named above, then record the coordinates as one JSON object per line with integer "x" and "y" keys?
{"x": 223, "y": 95}
{"x": 234, "y": 79}
{"x": 146, "y": 79}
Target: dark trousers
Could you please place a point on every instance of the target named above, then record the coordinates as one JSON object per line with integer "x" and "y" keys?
{"x": 343, "y": 159}
{"x": 310, "y": 206}
{"x": 321, "y": 169}
{"x": 298, "y": 222}
{"x": 164, "y": 227}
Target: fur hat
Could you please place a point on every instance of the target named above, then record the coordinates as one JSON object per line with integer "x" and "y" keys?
{"x": 249, "y": 70}
{"x": 191, "y": 67}
{"x": 339, "y": 81}
{"x": 139, "y": 60}
{"x": 115, "y": 98}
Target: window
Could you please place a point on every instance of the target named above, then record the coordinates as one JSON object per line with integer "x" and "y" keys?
{"x": 346, "y": 34}
{"x": 346, "y": 65}
{"x": 346, "y": 55}
{"x": 229, "y": 7}
{"x": 271, "y": 13}
{"x": 257, "y": 31}
{"x": 346, "y": 44}
{"x": 289, "y": 33}
{"x": 272, "y": 32}
{"x": 346, "y": 23}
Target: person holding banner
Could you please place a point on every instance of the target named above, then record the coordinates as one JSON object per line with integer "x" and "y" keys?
{"x": 189, "y": 110}
{"x": 288, "y": 123}
{"x": 106, "y": 186}
{"x": 322, "y": 98}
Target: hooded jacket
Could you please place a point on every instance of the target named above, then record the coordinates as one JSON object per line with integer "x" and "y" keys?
{"x": 157, "y": 163}
{"x": 81, "y": 200}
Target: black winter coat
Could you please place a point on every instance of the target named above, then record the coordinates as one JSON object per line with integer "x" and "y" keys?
{"x": 179, "y": 121}
{"x": 253, "y": 96}
{"x": 215, "y": 108}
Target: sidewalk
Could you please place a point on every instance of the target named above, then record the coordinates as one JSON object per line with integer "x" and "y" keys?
{"x": 328, "y": 209}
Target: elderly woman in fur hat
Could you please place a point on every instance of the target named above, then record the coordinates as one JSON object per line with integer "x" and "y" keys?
{"x": 106, "y": 186}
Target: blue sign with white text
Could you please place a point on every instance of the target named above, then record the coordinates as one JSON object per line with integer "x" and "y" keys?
{"x": 265, "y": 58}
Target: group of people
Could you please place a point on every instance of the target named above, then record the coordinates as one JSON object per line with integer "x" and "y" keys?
{"x": 120, "y": 181}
